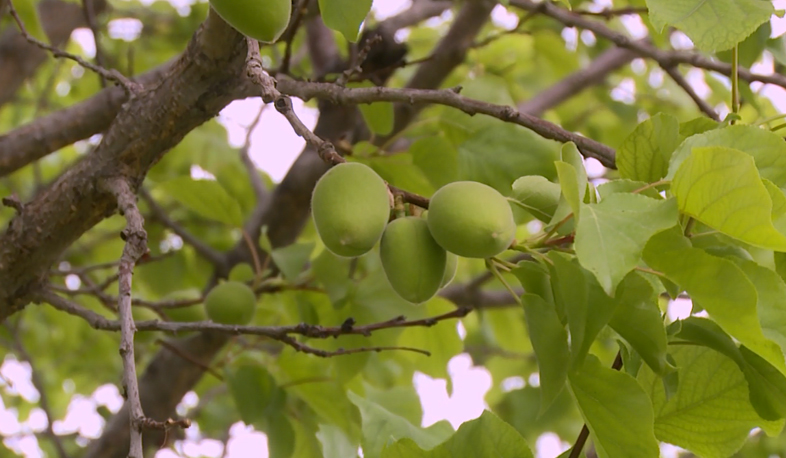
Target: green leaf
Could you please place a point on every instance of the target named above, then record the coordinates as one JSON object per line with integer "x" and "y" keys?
{"x": 534, "y": 277}
{"x": 569, "y": 184}
{"x": 345, "y": 16}
{"x": 536, "y": 195}
{"x": 381, "y": 427}
{"x": 645, "y": 154}
{"x": 627, "y": 186}
{"x": 712, "y": 25}
{"x": 550, "y": 342}
{"x": 487, "y": 435}
{"x": 587, "y": 308}
{"x": 253, "y": 389}
{"x": 766, "y": 147}
{"x": 617, "y": 411}
{"x": 766, "y": 384}
{"x": 335, "y": 443}
{"x": 771, "y": 309}
{"x": 205, "y": 197}
{"x": 437, "y": 158}
{"x": 718, "y": 285}
{"x": 710, "y": 413}
{"x": 292, "y": 258}
{"x": 638, "y": 320}
{"x": 501, "y": 153}
{"x": 697, "y": 126}
{"x": 721, "y": 188}
{"x": 378, "y": 115}
{"x": 611, "y": 235}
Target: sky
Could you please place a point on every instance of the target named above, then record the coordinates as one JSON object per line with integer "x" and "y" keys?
{"x": 274, "y": 147}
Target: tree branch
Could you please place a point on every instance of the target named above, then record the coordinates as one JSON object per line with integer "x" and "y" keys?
{"x": 136, "y": 246}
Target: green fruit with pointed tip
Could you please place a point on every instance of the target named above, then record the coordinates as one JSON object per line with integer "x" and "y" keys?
{"x": 263, "y": 20}
{"x": 351, "y": 208}
{"x": 451, "y": 266}
{"x": 231, "y": 302}
{"x": 412, "y": 260}
{"x": 471, "y": 220}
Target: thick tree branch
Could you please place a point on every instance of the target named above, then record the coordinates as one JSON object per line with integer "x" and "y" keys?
{"x": 194, "y": 90}
{"x": 49, "y": 133}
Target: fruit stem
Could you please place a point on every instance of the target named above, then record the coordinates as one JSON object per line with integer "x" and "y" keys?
{"x": 493, "y": 268}
{"x": 507, "y": 265}
{"x": 399, "y": 208}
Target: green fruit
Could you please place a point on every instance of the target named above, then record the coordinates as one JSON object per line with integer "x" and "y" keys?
{"x": 242, "y": 272}
{"x": 351, "y": 208}
{"x": 263, "y": 20}
{"x": 537, "y": 195}
{"x": 451, "y": 266}
{"x": 471, "y": 220}
{"x": 413, "y": 262}
{"x": 231, "y": 302}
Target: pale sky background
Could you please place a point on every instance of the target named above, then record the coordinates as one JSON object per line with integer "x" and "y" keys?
{"x": 274, "y": 147}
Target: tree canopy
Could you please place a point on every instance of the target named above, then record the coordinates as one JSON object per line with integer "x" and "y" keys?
{"x": 632, "y": 151}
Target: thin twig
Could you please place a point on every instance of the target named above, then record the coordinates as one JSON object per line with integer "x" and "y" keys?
{"x": 206, "y": 251}
{"x": 300, "y": 11}
{"x": 701, "y": 103}
{"x": 112, "y": 75}
{"x": 136, "y": 246}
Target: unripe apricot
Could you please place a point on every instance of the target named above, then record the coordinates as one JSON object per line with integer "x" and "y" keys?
{"x": 263, "y": 20}
{"x": 351, "y": 208}
{"x": 471, "y": 220}
{"x": 413, "y": 262}
{"x": 231, "y": 302}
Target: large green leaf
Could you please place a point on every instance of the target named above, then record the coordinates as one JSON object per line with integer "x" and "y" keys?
{"x": 611, "y": 234}
{"x": 713, "y": 25}
{"x": 766, "y": 385}
{"x": 381, "y": 427}
{"x": 718, "y": 285}
{"x": 721, "y": 187}
{"x": 437, "y": 158}
{"x": 645, "y": 154}
{"x": 550, "y": 342}
{"x": 487, "y": 435}
{"x": 638, "y": 320}
{"x": 500, "y": 154}
{"x": 253, "y": 389}
{"x": 205, "y": 197}
{"x": 587, "y": 308}
{"x": 617, "y": 411}
{"x": 536, "y": 195}
{"x": 345, "y": 16}
{"x": 766, "y": 147}
{"x": 335, "y": 443}
{"x": 379, "y": 115}
{"x": 710, "y": 413}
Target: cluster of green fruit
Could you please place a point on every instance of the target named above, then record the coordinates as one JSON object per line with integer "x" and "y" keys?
{"x": 351, "y": 209}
